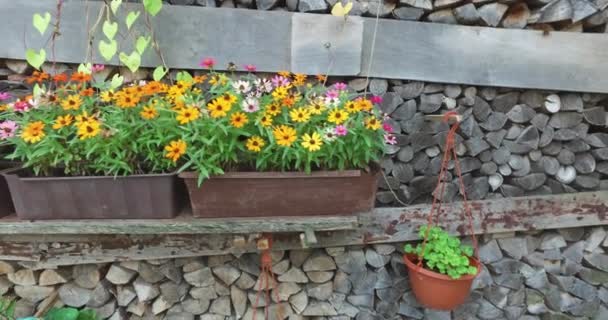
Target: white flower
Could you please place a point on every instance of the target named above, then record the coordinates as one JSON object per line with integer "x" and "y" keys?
{"x": 329, "y": 134}
{"x": 251, "y": 105}
{"x": 331, "y": 102}
{"x": 241, "y": 86}
{"x": 263, "y": 85}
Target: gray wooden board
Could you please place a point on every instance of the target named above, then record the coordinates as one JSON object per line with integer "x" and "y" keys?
{"x": 383, "y": 225}
{"x": 185, "y": 34}
{"x": 403, "y": 49}
{"x": 322, "y": 44}
{"x": 488, "y": 56}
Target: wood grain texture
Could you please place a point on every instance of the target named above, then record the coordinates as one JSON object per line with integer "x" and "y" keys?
{"x": 383, "y": 225}
{"x": 286, "y": 41}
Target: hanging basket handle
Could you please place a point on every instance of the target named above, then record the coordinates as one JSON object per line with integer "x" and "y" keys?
{"x": 448, "y": 154}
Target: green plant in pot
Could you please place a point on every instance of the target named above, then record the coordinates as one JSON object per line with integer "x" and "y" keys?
{"x": 441, "y": 269}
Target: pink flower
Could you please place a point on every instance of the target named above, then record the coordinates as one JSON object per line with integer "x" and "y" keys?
{"x": 376, "y": 99}
{"x": 7, "y": 129}
{"x": 250, "y": 67}
{"x": 341, "y": 130}
{"x": 98, "y": 68}
{"x": 207, "y": 63}
{"x": 280, "y": 81}
{"x": 332, "y": 94}
{"x": 340, "y": 86}
{"x": 4, "y": 96}
{"x": 390, "y": 139}
{"x": 387, "y": 127}
{"x": 21, "y": 106}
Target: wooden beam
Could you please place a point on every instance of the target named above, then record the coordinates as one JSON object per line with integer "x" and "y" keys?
{"x": 180, "y": 225}
{"x": 383, "y": 225}
{"x": 403, "y": 49}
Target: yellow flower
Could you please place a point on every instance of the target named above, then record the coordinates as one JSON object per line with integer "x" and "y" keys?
{"x": 280, "y": 93}
{"x": 364, "y": 104}
{"x": 351, "y": 107}
{"x": 299, "y": 79}
{"x": 149, "y": 112}
{"x": 174, "y": 93}
{"x": 285, "y": 74}
{"x": 199, "y": 79}
{"x": 266, "y": 121}
{"x": 181, "y": 86}
{"x": 284, "y": 135}
{"x": 337, "y": 116}
{"x": 33, "y": 132}
{"x": 88, "y": 129}
{"x": 299, "y": 115}
{"x": 84, "y": 117}
{"x": 72, "y": 102}
{"x": 196, "y": 91}
{"x": 175, "y": 149}
{"x": 227, "y": 99}
{"x": 312, "y": 142}
{"x": 255, "y": 144}
{"x": 317, "y": 107}
{"x": 273, "y": 109}
{"x": 238, "y": 119}
{"x": 187, "y": 114}
{"x": 372, "y": 123}
{"x": 3, "y": 107}
{"x": 63, "y": 121}
{"x": 126, "y": 99}
{"x": 107, "y": 96}
{"x": 217, "y": 109}
{"x": 220, "y": 79}
{"x": 321, "y": 78}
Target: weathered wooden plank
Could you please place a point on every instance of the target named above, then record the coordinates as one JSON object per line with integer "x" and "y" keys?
{"x": 383, "y": 225}
{"x": 403, "y": 49}
{"x": 181, "y": 225}
{"x": 185, "y": 34}
{"x": 502, "y": 57}
{"x": 322, "y": 44}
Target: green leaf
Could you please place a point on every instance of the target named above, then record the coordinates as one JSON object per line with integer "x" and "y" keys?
{"x": 108, "y": 50}
{"x": 87, "y": 314}
{"x": 153, "y": 6}
{"x": 41, "y": 22}
{"x": 37, "y": 91}
{"x": 131, "y": 17}
{"x": 116, "y": 81}
{"x": 184, "y": 76}
{"x": 159, "y": 73}
{"x": 35, "y": 59}
{"x": 62, "y": 314}
{"x": 114, "y": 5}
{"x": 132, "y": 61}
{"x": 110, "y": 29}
{"x": 85, "y": 68}
{"x": 141, "y": 44}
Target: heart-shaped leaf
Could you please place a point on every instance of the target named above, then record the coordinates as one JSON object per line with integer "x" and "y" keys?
{"x": 109, "y": 29}
{"x": 114, "y": 5}
{"x": 35, "y": 59}
{"x": 116, "y": 81}
{"x": 38, "y": 90}
{"x": 108, "y": 50}
{"x": 41, "y": 22}
{"x": 131, "y": 17}
{"x": 141, "y": 44}
{"x": 159, "y": 73}
{"x": 85, "y": 68}
{"x": 183, "y": 76}
{"x": 153, "y": 6}
{"x": 132, "y": 61}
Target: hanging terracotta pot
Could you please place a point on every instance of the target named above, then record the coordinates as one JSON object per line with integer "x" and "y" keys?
{"x": 435, "y": 290}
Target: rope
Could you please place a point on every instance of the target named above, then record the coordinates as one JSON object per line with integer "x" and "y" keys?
{"x": 371, "y": 54}
{"x": 266, "y": 275}
{"x": 448, "y": 153}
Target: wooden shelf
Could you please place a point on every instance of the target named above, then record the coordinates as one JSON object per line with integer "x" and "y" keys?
{"x": 183, "y": 224}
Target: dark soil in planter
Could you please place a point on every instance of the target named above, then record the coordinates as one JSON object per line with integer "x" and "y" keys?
{"x": 152, "y": 196}
{"x": 6, "y": 202}
{"x": 260, "y": 194}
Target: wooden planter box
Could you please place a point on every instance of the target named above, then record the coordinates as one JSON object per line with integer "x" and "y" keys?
{"x": 152, "y": 196}
{"x": 259, "y": 194}
{"x": 6, "y": 202}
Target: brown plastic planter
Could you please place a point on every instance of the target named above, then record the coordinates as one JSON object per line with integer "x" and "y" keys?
{"x": 259, "y": 194}
{"x": 435, "y": 290}
{"x": 152, "y": 196}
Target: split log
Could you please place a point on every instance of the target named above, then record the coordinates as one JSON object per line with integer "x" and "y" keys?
{"x": 467, "y": 14}
{"x": 495, "y": 121}
{"x": 408, "y": 13}
{"x": 505, "y": 170}
{"x": 566, "y": 174}
{"x": 553, "y": 148}
{"x": 517, "y": 16}
{"x": 565, "y": 135}
{"x": 553, "y": 103}
{"x": 410, "y": 90}
{"x": 481, "y": 109}
{"x": 550, "y": 165}
{"x": 514, "y": 131}
{"x": 571, "y": 102}
{"x": 505, "y": 102}
{"x": 566, "y": 157}
{"x": 540, "y": 121}
{"x": 422, "y": 4}
{"x": 405, "y": 111}
{"x": 501, "y": 155}
{"x": 529, "y": 137}
{"x": 494, "y": 138}
{"x": 405, "y": 154}
{"x": 595, "y": 116}
{"x": 535, "y": 155}
{"x": 488, "y": 168}
{"x": 442, "y": 4}
{"x": 577, "y": 145}
{"x": 521, "y": 113}
{"x": 492, "y": 13}
{"x": 557, "y": 10}
{"x": 565, "y": 120}
{"x": 584, "y": 163}
{"x": 525, "y": 168}
{"x": 495, "y": 181}
{"x": 546, "y": 137}
{"x": 587, "y": 182}
{"x": 530, "y": 182}
{"x": 582, "y": 9}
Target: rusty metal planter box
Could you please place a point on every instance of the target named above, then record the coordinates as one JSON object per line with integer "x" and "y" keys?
{"x": 152, "y": 196}
{"x": 259, "y": 194}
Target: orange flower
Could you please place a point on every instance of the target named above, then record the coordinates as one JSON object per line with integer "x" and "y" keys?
{"x": 126, "y": 100}
{"x": 285, "y": 74}
{"x": 199, "y": 79}
{"x": 81, "y": 77}
{"x": 153, "y": 87}
{"x": 38, "y": 77}
{"x": 62, "y": 77}
{"x": 321, "y": 78}
{"x": 88, "y": 92}
{"x": 288, "y": 101}
{"x": 299, "y": 79}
